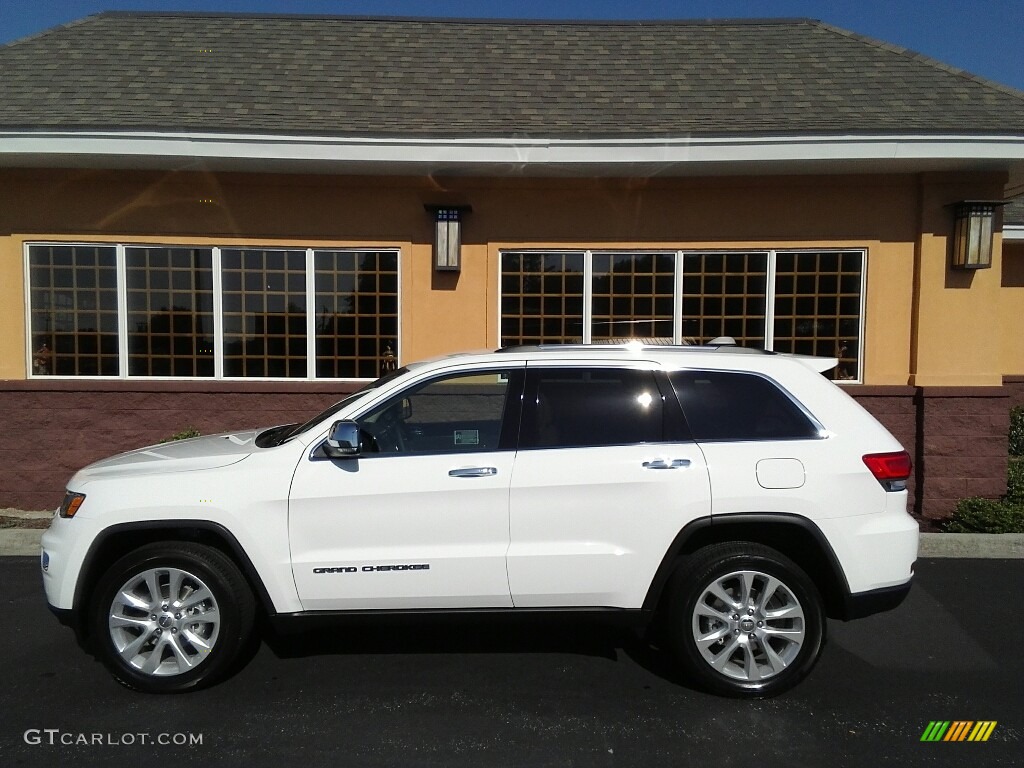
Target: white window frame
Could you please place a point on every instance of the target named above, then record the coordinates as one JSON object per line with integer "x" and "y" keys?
{"x": 677, "y": 303}
{"x": 218, "y": 319}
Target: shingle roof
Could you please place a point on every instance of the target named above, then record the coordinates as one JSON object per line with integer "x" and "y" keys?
{"x": 344, "y": 76}
{"x": 1013, "y": 212}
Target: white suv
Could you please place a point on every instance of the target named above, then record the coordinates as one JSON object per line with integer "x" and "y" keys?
{"x": 737, "y": 496}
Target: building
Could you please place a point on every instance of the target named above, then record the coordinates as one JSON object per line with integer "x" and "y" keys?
{"x": 219, "y": 221}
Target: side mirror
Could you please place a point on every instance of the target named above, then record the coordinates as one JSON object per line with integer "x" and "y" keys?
{"x": 343, "y": 441}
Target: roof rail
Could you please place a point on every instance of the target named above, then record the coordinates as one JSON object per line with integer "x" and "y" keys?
{"x": 721, "y": 344}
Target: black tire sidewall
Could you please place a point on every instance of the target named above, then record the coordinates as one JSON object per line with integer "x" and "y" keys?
{"x": 689, "y": 585}
{"x": 223, "y": 579}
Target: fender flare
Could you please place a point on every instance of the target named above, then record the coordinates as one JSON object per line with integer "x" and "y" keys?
{"x": 235, "y": 551}
{"x": 721, "y": 523}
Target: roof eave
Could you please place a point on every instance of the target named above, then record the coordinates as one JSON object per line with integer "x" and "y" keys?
{"x": 682, "y": 156}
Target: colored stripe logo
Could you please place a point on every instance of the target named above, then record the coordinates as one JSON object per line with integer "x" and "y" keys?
{"x": 958, "y": 730}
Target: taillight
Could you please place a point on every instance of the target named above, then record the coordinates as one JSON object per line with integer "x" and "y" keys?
{"x": 890, "y": 469}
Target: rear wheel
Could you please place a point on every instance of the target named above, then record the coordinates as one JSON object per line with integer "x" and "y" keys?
{"x": 745, "y": 620}
{"x": 171, "y": 616}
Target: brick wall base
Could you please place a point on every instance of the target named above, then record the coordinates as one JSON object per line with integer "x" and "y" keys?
{"x": 957, "y": 436}
{"x": 965, "y": 443}
{"x": 52, "y": 429}
{"x": 1014, "y": 386}
{"x": 896, "y": 408}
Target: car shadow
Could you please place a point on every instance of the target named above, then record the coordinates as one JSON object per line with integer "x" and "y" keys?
{"x": 478, "y": 635}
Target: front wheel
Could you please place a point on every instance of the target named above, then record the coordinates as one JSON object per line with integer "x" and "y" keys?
{"x": 171, "y": 616}
{"x": 745, "y": 621}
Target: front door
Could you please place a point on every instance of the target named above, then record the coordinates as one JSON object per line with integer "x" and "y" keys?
{"x": 420, "y": 518}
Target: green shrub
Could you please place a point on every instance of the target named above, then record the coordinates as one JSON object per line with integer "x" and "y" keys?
{"x": 1017, "y": 431}
{"x": 1015, "y": 481}
{"x": 1006, "y": 515}
{"x": 184, "y": 434}
{"x": 977, "y": 515}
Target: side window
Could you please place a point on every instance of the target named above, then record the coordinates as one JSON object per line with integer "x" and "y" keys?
{"x": 722, "y": 405}
{"x": 462, "y": 413}
{"x": 579, "y": 407}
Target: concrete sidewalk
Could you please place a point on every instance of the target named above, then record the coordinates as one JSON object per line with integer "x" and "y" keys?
{"x": 25, "y": 541}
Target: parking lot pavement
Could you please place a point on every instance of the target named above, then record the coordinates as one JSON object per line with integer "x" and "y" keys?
{"x": 474, "y": 694}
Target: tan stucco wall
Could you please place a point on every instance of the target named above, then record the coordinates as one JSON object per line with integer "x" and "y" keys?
{"x": 12, "y": 309}
{"x": 958, "y": 317}
{"x": 444, "y": 312}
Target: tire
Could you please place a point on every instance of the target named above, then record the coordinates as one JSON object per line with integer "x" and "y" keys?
{"x": 171, "y": 617}
{"x": 744, "y": 620}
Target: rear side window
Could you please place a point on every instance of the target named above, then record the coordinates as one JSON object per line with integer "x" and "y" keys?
{"x": 721, "y": 405}
{"x": 577, "y": 407}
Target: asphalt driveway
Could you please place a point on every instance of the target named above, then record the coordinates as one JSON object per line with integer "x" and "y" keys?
{"x": 477, "y": 694}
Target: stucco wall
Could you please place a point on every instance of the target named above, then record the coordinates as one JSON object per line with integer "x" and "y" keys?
{"x": 447, "y": 312}
{"x": 924, "y": 324}
{"x": 957, "y": 336}
{"x": 12, "y": 309}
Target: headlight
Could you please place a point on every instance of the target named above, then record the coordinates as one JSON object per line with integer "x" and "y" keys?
{"x": 71, "y": 504}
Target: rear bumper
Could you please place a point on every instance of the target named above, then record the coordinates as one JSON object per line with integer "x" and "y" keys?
{"x": 860, "y": 604}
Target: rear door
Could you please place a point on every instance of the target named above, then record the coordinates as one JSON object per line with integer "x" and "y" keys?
{"x": 604, "y": 479}
{"x": 765, "y": 451}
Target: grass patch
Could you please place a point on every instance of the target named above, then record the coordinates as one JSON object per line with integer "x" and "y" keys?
{"x": 185, "y": 434}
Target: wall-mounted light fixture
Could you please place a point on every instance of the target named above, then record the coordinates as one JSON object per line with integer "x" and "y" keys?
{"x": 972, "y": 235}
{"x": 448, "y": 235}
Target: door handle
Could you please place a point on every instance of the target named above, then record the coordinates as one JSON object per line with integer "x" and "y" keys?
{"x": 666, "y": 464}
{"x": 473, "y": 472}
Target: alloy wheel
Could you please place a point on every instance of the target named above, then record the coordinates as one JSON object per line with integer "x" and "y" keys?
{"x": 164, "y": 621}
{"x": 748, "y": 625}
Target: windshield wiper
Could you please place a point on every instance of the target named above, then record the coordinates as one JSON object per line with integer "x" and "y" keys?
{"x": 270, "y": 438}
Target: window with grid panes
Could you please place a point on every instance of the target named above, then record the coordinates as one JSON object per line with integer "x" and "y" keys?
{"x": 356, "y": 312}
{"x": 817, "y": 306}
{"x": 724, "y": 295}
{"x": 632, "y": 296}
{"x": 541, "y": 298}
{"x": 170, "y": 311}
{"x": 264, "y": 310}
{"x": 73, "y": 324}
{"x": 171, "y": 325}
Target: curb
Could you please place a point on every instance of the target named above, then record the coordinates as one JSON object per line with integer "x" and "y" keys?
{"x": 20, "y": 542}
{"x": 23, "y": 515}
{"x": 977, "y": 545}
{"x": 24, "y": 542}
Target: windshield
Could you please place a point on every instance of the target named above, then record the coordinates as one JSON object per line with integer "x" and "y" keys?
{"x": 292, "y": 431}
